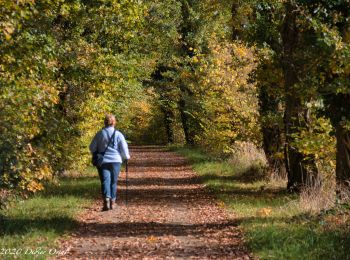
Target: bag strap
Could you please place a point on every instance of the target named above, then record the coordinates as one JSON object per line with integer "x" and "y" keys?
{"x": 110, "y": 139}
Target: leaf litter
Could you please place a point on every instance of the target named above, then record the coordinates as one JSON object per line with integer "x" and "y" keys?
{"x": 169, "y": 215}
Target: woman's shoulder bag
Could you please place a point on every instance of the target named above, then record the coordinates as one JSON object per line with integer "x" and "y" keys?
{"x": 97, "y": 158}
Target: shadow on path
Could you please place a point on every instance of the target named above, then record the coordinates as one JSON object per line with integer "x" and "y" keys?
{"x": 133, "y": 229}
{"x": 169, "y": 214}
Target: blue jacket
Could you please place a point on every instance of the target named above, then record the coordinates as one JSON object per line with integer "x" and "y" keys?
{"x": 116, "y": 151}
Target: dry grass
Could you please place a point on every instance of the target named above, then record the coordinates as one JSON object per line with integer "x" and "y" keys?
{"x": 317, "y": 198}
{"x": 321, "y": 196}
{"x": 325, "y": 194}
{"x": 250, "y": 160}
{"x": 343, "y": 193}
{"x": 70, "y": 174}
{"x": 246, "y": 154}
{"x": 90, "y": 171}
{"x": 5, "y": 197}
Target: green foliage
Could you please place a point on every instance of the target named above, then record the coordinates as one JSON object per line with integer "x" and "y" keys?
{"x": 317, "y": 140}
{"x": 199, "y": 72}
{"x": 303, "y": 59}
{"x": 64, "y": 64}
{"x": 206, "y": 73}
{"x": 228, "y": 99}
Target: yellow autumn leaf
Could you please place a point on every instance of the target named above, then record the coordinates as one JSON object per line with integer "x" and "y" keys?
{"x": 151, "y": 239}
{"x": 221, "y": 204}
{"x": 264, "y": 212}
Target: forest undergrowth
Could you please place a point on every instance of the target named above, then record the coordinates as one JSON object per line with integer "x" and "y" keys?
{"x": 278, "y": 224}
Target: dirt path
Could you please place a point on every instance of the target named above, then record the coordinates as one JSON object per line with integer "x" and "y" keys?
{"x": 169, "y": 215}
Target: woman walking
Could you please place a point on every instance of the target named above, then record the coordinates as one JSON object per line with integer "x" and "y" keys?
{"x": 110, "y": 144}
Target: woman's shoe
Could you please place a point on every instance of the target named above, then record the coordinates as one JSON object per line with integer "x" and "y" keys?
{"x": 112, "y": 205}
{"x": 106, "y": 205}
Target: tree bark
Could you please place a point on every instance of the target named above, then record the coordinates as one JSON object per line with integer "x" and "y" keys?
{"x": 185, "y": 120}
{"x": 272, "y": 133}
{"x": 343, "y": 155}
{"x": 234, "y": 12}
{"x": 168, "y": 119}
{"x": 337, "y": 108}
{"x": 301, "y": 171}
{"x": 342, "y": 133}
{"x": 339, "y": 113}
{"x": 187, "y": 28}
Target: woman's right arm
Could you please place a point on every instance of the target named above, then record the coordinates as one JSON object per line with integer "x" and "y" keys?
{"x": 124, "y": 147}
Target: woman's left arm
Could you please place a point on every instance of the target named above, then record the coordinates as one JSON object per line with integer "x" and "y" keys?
{"x": 124, "y": 147}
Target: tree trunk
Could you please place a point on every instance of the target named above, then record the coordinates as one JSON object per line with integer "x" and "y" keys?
{"x": 272, "y": 134}
{"x": 343, "y": 134}
{"x": 234, "y": 12}
{"x": 185, "y": 29}
{"x": 168, "y": 119}
{"x": 272, "y": 144}
{"x": 185, "y": 120}
{"x": 343, "y": 155}
{"x": 300, "y": 170}
{"x": 339, "y": 113}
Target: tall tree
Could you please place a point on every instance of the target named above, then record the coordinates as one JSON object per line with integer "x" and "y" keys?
{"x": 275, "y": 27}
{"x": 255, "y": 23}
{"x": 332, "y": 31}
{"x": 300, "y": 169}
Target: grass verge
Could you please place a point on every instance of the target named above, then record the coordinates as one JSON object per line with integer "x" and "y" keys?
{"x": 29, "y": 229}
{"x": 275, "y": 225}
